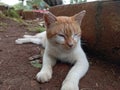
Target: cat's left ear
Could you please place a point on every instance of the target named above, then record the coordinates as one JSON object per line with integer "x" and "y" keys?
{"x": 78, "y": 17}
{"x": 49, "y": 19}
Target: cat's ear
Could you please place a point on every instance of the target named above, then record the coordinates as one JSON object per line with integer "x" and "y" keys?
{"x": 78, "y": 17}
{"x": 49, "y": 18}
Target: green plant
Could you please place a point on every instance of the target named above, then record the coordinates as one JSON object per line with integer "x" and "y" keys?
{"x": 1, "y": 14}
{"x": 11, "y": 13}
{"x": 36, "y": 29}
{"x": 40, "y": 29}
{"x": 3, "y": 26}
{"x": 36, "y": 64}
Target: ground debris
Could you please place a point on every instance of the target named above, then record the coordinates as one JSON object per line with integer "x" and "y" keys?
{"x": 36, "y": 63}
{"x": 34, "y": 57}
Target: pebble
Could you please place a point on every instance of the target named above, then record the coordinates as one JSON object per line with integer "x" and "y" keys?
{"x": 34, "y": 57}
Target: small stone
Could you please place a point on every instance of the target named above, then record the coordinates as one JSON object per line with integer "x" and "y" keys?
{"x": 34, "y": 57}
{"x": 30, "y": 58}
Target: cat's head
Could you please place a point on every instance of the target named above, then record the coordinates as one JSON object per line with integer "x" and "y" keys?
{"x": 64, "y": 31}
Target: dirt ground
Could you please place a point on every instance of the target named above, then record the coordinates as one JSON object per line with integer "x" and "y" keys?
{"x": 16, "y": 72}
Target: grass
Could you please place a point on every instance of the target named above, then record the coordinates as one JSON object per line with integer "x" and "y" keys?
{"x": 36, "y": 29}
{"x": 3, "y": 26}
{"x": 1, "y": 14}
{"x": 11, "y": 13}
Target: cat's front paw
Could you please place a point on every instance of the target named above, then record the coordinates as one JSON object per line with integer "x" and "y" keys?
{"x": 69, "y": 86}
{"x": 44, "y": 76}
{"x": 19, "y": 41}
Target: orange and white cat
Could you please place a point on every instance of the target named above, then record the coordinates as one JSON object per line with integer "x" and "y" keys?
{"x": 61, "y": 41}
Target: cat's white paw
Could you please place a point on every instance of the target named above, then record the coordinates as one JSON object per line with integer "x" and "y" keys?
{"x": 44, "y": 76}
{"x": 19, "y": 41}
{"x": 69, "y": 86}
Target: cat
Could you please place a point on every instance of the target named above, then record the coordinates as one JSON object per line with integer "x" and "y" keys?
{"x": 61, "y": 41}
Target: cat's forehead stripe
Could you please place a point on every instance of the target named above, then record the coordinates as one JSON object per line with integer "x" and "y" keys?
{"x": 64, "y": 19}
{"x": 71, "y": 28}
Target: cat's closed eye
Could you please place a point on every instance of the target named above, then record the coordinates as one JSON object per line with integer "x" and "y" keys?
{"x": 60, "y": 38}
{"x": 61, "y": 35}
{"x": 77, "y": 34}
{"x": 75, "y": 37}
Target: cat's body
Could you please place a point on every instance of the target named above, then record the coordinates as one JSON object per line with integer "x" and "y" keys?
{"x": 61, "y": 41}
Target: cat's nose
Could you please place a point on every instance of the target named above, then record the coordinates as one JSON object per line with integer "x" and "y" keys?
{"x": 70, "y": 44}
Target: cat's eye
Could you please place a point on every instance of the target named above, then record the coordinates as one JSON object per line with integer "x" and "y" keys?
{"x": 75, "y": 35}
{"x": 61, "y": 35}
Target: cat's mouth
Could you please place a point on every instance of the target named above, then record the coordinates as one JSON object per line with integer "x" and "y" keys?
{"x": 66, "y": 46}
{"x": 69, "y": 47}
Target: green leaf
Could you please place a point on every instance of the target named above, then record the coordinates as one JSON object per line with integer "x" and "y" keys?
{"x": 36, "y": 64}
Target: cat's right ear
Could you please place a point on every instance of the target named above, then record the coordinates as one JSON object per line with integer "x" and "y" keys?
{"x": 49, "y": 19}
{"x": 78, "y": 17}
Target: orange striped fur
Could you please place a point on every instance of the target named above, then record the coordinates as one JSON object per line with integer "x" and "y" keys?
{"x": 66, "y": 26}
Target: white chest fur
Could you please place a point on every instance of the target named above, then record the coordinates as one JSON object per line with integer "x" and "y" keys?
{"x": 62, "y": 54}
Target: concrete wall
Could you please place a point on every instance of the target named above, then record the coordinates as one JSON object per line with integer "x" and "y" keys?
{"x": 100, "y": 27}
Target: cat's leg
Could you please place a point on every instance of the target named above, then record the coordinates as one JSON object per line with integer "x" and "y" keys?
{"x": 46, "y": 72}
{"x": 28, "y": 40}
{"x": 71, "y": 81}
{"x": 22, "y": 40}
{"x": 39, "y": 38}
{"x": 28, "y": 36}
{"x": 38, "y": 35}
